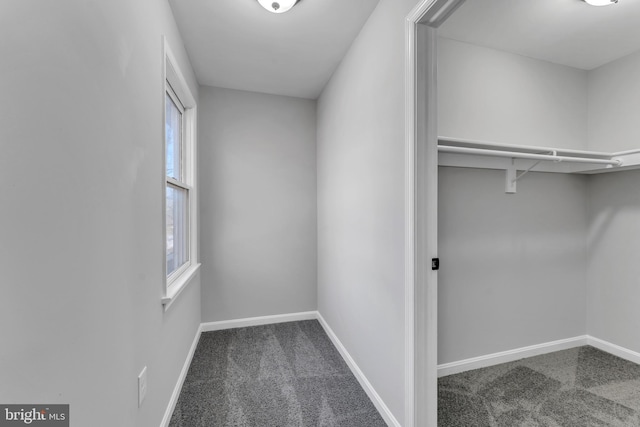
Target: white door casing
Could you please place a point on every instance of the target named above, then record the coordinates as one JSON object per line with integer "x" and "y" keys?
{"x": 421, "y": 210}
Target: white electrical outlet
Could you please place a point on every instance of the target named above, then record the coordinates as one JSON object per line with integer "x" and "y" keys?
{"x": 142, "y": 386}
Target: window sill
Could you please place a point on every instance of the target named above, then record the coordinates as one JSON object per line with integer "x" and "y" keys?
{"x": 179, "y": 285}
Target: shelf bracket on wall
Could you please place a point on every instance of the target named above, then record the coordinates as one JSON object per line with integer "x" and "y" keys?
{"x": 528, "y": 170}
{"x": 511, "y": 178}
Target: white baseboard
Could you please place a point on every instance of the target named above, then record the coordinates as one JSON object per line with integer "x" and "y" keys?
{"x": 535, "y": 350}
{"x": 364, "y": 382}
{"x": 614, "y": 349}
{"x": 257, "y": 321}
{"x": 183, "y": 375}
{"x": 510, "y": 355}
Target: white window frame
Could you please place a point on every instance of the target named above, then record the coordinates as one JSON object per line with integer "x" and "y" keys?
{"x": 175, "y": 85}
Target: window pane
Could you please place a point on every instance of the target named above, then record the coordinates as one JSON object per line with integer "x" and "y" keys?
{"x": 173, "y": 132}
{"x": 177, "y": 228}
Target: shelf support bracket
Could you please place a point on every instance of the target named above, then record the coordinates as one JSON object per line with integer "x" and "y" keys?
{"x": 527, "y": 171}
{"x": 511, "y": 178}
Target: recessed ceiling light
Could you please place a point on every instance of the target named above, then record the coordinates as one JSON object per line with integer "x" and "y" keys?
{"x": 600, "y": 2}
{"x": 278, "y": 6}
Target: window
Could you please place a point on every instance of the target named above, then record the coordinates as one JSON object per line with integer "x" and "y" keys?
{"x": 180, "y": 223}
{"x": 177, "y": 190}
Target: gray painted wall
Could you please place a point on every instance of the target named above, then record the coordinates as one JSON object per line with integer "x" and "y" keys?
{"x": 614, "y": 103}
{"x": 486, "y": 94}
{"x": 81, "y": 241}
{"x": 614, "y": 206}
{"x": 361, "y": 201}
{"x": 258, "y": 199}
{"x": 512, "y": 265}
{"x": 614, "y": 248}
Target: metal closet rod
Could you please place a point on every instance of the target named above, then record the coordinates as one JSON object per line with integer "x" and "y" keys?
{"x": 532, "y": 156}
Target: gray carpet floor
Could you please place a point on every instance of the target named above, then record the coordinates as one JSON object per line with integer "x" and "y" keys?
{"x": 580, "y": 387}
{"x": 281, "y": 375}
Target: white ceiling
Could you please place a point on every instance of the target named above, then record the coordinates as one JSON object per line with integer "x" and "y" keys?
{"x": 237, "y": 44}
{"x": 568, "y": 32}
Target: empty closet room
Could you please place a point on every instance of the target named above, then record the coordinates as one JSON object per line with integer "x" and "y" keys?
{"x": 538, "y": 200}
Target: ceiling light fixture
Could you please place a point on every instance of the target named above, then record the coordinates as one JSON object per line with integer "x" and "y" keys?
{"x": 278, "y": 6}
{"x": 600, "y": 2}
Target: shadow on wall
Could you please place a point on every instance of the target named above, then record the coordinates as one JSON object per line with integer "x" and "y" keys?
{"x": 622, "y": 200}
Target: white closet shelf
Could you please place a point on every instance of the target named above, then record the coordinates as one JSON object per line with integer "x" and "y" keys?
{"x": 551, "y": 156}
{"x": 468, "y": 153}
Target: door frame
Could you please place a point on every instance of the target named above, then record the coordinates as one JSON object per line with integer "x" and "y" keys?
{"x": 421, "y": 210}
